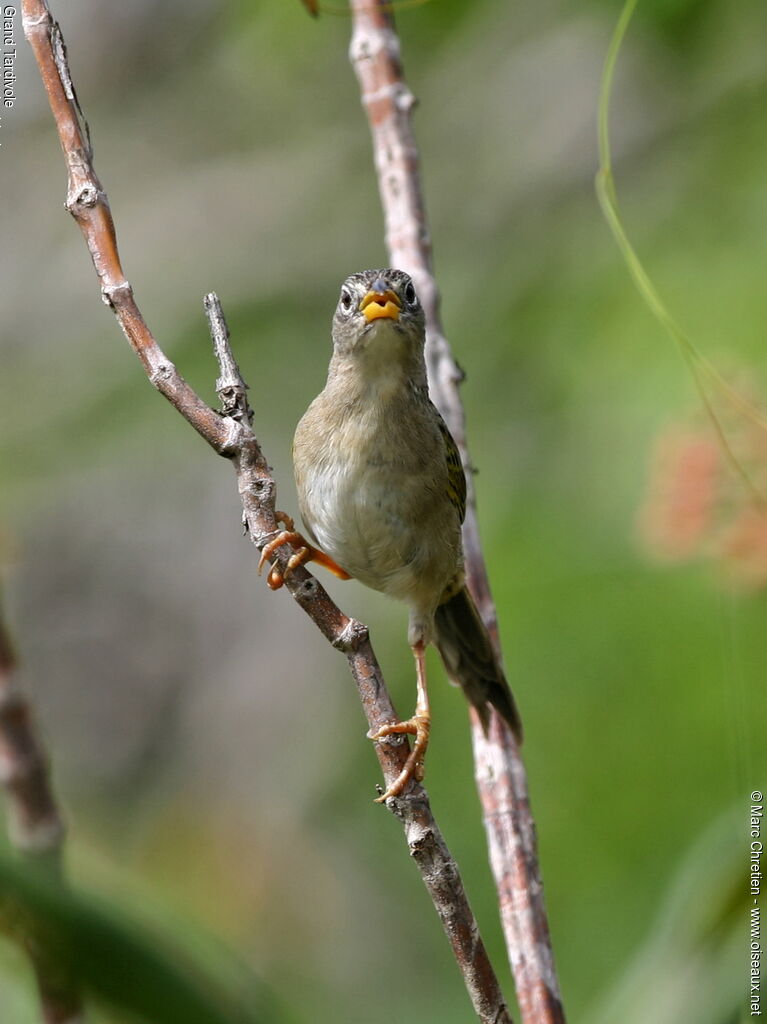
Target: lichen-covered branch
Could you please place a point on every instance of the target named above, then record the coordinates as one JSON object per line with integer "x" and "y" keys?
{"x": 230, "y": 434}
{"x": 500, "y": 771}
{"x": 35, "y": 827}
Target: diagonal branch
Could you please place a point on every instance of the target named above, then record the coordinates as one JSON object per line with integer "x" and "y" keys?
{"x": 35, "y": 827}
{"x": 229, "y": 433}
{"x": 500, "y": 771}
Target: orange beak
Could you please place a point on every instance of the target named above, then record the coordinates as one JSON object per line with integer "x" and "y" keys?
{"x": 377, "y": 304}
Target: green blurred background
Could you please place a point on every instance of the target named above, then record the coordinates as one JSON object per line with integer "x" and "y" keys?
{"x": 206, "y": 743}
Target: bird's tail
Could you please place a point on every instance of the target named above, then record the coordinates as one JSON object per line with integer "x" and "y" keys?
{"x": 470, "y": 661}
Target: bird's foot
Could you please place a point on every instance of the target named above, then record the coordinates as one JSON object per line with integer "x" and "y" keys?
{"x": 304, "y": 552}
{"x": 276, "y": 575}
{"x": 418, "y": 726}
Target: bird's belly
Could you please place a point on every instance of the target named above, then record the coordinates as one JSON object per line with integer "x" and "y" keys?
{"x": 371, "y": 529}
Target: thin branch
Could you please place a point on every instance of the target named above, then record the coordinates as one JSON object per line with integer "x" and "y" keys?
{"x": 500, "y": 771}
{"x": 230, "y": 435}
{"x": 35, "y": 827}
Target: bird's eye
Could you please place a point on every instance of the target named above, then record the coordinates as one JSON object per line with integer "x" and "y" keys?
{"x": 410, "y": 295}
{"x": 346, "y": 300}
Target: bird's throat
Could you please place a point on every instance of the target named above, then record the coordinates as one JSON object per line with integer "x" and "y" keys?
{"x": 382, "y": 361}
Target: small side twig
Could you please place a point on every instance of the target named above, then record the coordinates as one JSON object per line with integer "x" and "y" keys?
{"x": 35, "y": 827}
{"x": 499, "y": 769}
{"x": 229, "y": 433}
{"x": 230, "y": 386}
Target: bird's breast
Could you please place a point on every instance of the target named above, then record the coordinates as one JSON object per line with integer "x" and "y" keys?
{"x": 372, "y": 491}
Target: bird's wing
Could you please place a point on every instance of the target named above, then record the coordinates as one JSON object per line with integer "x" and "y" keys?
{"x": 456, "y": 478}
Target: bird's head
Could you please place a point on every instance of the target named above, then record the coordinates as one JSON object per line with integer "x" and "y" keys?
{"x": 379, "y": 320}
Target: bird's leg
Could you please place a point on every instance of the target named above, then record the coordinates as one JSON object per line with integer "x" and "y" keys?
{"x": 417, "y": 726}
{"x": 305, "y": 552}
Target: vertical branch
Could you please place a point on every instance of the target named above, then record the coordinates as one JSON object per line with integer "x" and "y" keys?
{"x": 500, "y": 771}
{"x": 34, "y": 825}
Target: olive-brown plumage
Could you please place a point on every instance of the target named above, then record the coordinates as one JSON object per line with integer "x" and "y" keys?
{"x": 382, "y": 492}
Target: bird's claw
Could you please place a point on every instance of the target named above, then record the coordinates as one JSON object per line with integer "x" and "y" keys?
{"x": 304, "y": 552}
{"x": 277, "y": 575}
{"x": 419, "y": 726}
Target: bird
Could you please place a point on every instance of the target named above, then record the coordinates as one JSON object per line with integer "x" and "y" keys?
{"x": 382, "y": 495}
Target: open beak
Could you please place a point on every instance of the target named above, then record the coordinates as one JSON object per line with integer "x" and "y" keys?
{"x": 377, "y": 304}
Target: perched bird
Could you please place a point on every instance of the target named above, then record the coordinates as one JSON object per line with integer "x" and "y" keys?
{"x": 382, "y": 495}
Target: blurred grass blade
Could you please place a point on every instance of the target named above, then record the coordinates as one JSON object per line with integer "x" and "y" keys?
{"x": 699, "y": 366}
{"x": 136, "y": 972}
